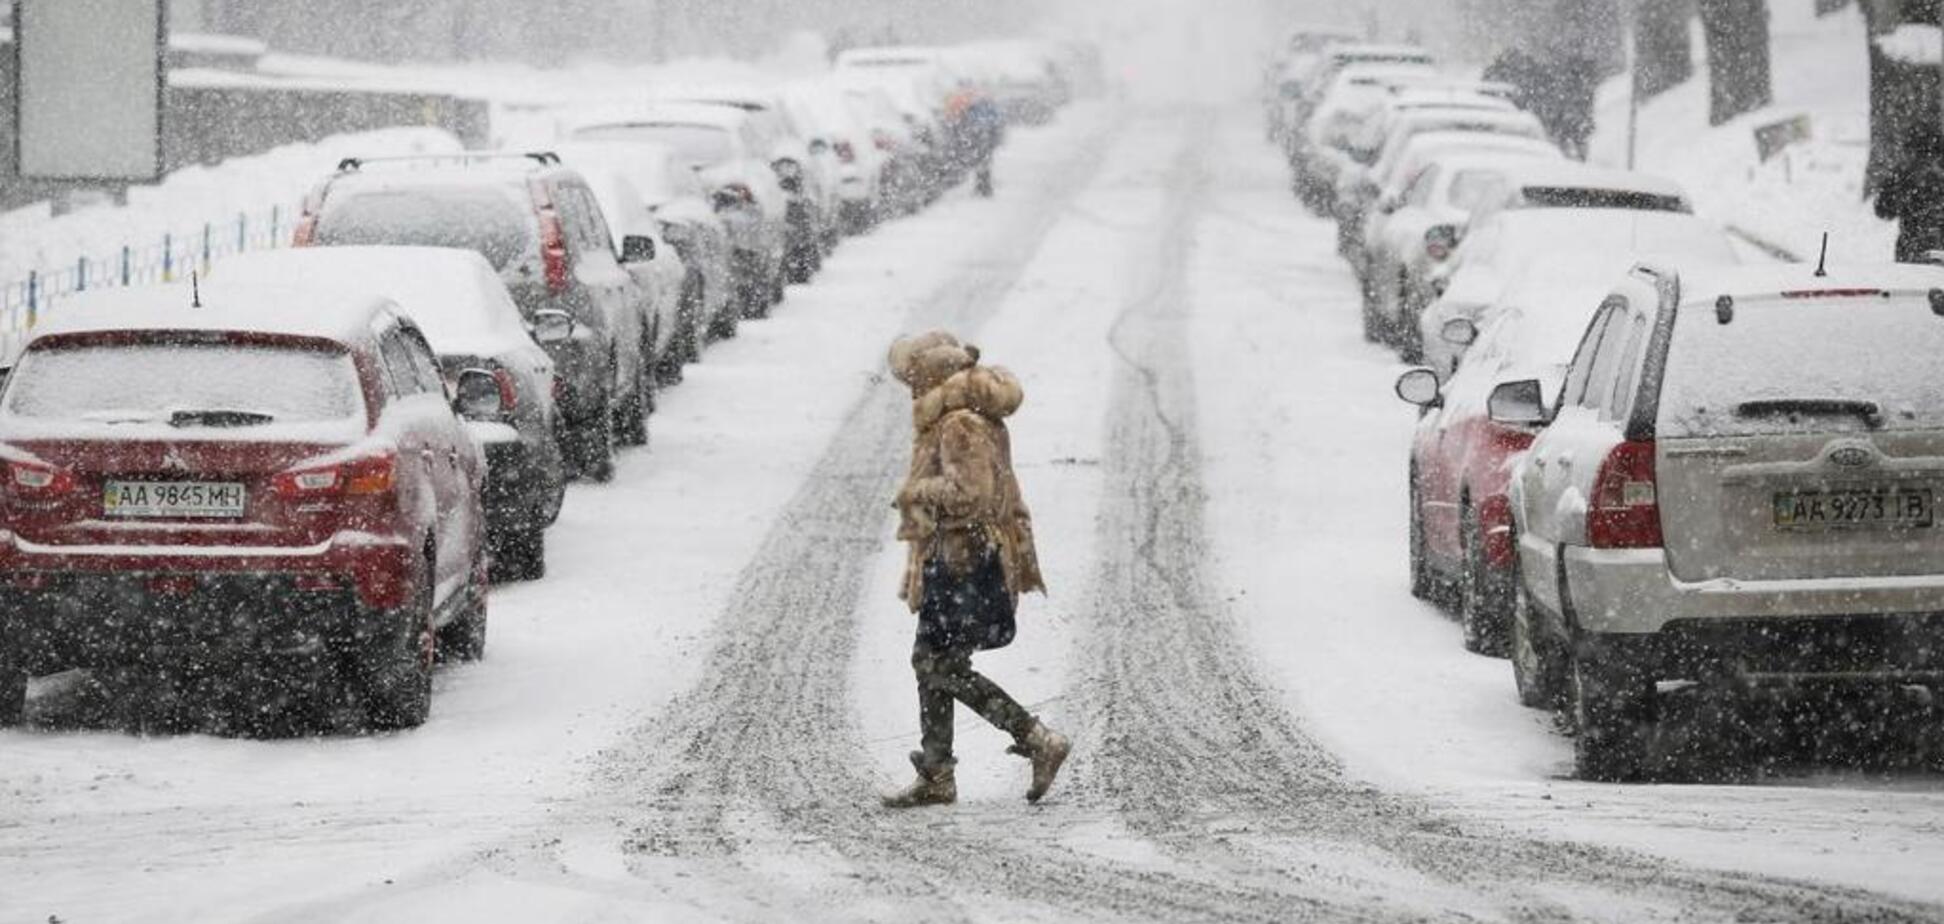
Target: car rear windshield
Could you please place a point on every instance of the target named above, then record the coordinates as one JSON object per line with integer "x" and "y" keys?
{"x": 1580, "y": 197}
{"x": 185, "y": 384}
{"x": 1796, "y": 365}
{"x": 494, "y": 222}
{"x": 695, "y": 144}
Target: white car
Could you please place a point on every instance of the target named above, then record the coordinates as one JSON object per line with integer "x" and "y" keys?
{"x": 1414, "y": 231}
{"x": 1738, "y": 486}
{"x": 724, "y": 147}
{"x": 1519, "y": 257}
{"x": 835, "y": 125}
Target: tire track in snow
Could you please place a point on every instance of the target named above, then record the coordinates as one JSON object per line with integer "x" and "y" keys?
{"x": 1195, "y": 752}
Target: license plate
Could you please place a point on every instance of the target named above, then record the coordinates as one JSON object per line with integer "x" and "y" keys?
{"x": 1885, "y": 508}
{"x": 172, "y": 499}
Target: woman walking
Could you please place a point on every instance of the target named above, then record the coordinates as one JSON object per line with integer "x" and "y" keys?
{"x": 971, "y": 556}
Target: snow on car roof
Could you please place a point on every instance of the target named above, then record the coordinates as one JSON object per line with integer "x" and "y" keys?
{"x": 1426, "y": 145}
{"x": 1494, "y": 120}
{"x": 454, "y": 295}
{"x": 662, "y": 113}
{"x": 1370, "y": 51}
{"x": 1535, "y": 235}
{"x": 341, "y": 315}
{"x": 1572, "y": 174}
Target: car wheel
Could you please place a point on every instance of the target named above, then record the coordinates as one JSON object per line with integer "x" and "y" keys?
{"x": 1613, "y": 713}
{"x": 1536, "y": 664}
{"x": 1423, "y": 586}
{"x": 13, "y": 684}
{"x": 1483, "y": 596}
{"x": 596, "y": 461}
{"x": 800, "y": 265}
{"x": 398, "y": 665}
{"x": 519, "y": 555}
{"x": 464, "y": 639}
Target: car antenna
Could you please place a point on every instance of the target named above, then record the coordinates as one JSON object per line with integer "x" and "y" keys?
{"x": 195, "y": 290}
{"x": 1822, "y": 262}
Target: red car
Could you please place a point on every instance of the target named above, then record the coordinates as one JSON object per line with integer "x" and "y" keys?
{"x": 1461, "y": 464}
{"x": 271, "y": 487}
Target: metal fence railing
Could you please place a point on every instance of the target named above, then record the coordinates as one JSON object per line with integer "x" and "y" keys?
{"x": 25, "y": 301}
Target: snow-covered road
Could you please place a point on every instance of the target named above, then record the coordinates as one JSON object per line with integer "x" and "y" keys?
{"x": 689, "y": 719}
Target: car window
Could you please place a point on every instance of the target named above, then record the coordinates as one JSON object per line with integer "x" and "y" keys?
{"x": 133, "y": 383}
{"x": 1606, "y": 359}
{"x": 425, "y": 366}
{"x": 495, "y": 222}
{"x": 1847, "y": 354}
{"x": 1582, "y": 368}
{"x": 1470, "y": 188}
{"x": 1620, "y": 397}
{"x": 1419, "y": 192}
{"x": 597, "y": 221}
{"x": 399, "y": 370}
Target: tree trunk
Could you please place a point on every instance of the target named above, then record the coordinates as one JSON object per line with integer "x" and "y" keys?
{"x": 1663, "y": 57}
{"x": 1737, "y": 33}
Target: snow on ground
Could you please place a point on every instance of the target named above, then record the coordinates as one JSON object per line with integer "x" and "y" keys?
{"x": 1308, "y": 507}
{"x": 1822, "y": 74}
{"x": 100, "y": 825}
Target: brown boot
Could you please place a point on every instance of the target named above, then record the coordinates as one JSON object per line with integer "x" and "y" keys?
{"x": 1047, "y": 749}
{"x": 936, "y": 785}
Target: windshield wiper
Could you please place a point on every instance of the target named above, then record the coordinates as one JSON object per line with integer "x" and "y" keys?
{"x": 1870, "y": 411}
{"x": 218, "y": 418}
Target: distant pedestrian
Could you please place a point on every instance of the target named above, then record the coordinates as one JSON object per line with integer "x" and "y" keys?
{"x": 978, "y": 128}
{"x": 971, "y": 555}
{"x": 1913, "y": 195}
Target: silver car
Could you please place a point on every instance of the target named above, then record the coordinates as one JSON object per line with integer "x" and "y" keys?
{"x": 1739, "y": 482}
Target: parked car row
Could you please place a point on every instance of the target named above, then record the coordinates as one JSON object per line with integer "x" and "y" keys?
{"x": 302, "y": 472}
{"x": 1637, "y": 462}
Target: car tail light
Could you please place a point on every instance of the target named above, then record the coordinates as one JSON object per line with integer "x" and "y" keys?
{"x": 553, "y": 251}
{"x": 509, "y": 389}
{"x": 306, "y": 233}
{"x": 883, "y": 141}
{"x": 1625, "y": 509}
{"x": 845, "y": 153}
{"x": 34, "y": 481}
{"x": 364, "y": 476}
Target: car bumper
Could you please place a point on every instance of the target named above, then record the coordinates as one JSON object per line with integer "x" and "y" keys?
{"x": 1891, "y": 626}
{"x": 84, "y": 606}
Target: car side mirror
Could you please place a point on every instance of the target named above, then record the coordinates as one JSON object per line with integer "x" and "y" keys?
{"x": 477, "y": 395}
{"x": 1459, "y": 332}
{"x": 1521, "y": 404}
{"x": 637, "y": 248}
{"x": 1420, "y": 387}
{"x": 551, "y": 325}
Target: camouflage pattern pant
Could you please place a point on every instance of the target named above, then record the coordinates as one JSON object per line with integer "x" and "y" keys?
{"x": 946, "y": 677}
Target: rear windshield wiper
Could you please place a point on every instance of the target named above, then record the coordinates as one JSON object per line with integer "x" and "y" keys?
{"x": 1871, "y": 413}
{"x": 218, "y": 418}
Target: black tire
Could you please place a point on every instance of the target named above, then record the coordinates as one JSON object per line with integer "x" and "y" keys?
{"x": 801, "y": 264}
{"x": 519, "y": 556}
{"x": 1423, "y": 584}
{"x": 464, "y": 638}
{"x": 592, "y": 449}
{"x": 397, "y": 668}
{"x": 1613, "y": 710}
{"x": 1374, "y": 328}
{"x": 1538, "y": 669}
{"x": 13, "y": 684}
{"x": 1484, "y": 596}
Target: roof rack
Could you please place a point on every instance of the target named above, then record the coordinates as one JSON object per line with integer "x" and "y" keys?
{"x": 543, "y": 158}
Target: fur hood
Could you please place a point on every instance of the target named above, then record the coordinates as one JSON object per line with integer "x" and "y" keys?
{"x": 926, "y": 360}
{"x": 989, "y": 391}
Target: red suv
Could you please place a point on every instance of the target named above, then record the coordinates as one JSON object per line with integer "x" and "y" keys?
{"x": 247, "y": 490}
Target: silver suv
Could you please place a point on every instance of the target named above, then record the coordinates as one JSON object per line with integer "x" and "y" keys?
{"x": 1739, "y": 482}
